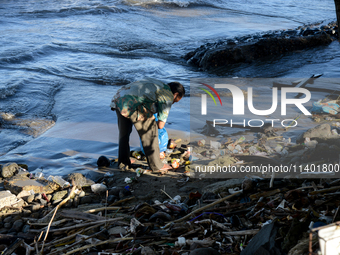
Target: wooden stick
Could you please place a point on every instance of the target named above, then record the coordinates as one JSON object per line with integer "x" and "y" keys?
{"x": 324, "y": 190}
{"x": 28, "y": 248}
{"x": 202, "y": 208}
{"x": 10, "y": 250}
{"x": 168, "y": 196}
{"x": 56, "y": 223}
{"x": 58, "y": 251}
{"x": 102, "y": 209}
{"x": 122, "y": 201}
{"x": 55, "y": 211}
{"x": 97, "y": 244}
{"x": 78, "y": 225}
{"x": 73, "y": 235}
{"x": 242, "y": 232}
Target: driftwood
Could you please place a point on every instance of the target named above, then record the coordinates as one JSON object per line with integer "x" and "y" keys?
{"x": 102, "y": 209}
{"x": 324, "y": 190}
{"x": 55, "y": 211}
{"x": 120, "y": 201}
{"x": 264, "y": 194}
{"x": 28, "y": 248}
{"x": 6, "y": 239}
{"x": 58, "y": 251}
{"x": 55, "y": 223}
{"x": 242, "y": 232}
{"x": 73, "y": 214}
{"x": 78, "y": 225}
{"x": 214, "y": 223}
{"x": 97, "y": 244}
{"x": 202, "y": 209}
{"x": 61, "y": 240}
{"x": 10, "y": 250}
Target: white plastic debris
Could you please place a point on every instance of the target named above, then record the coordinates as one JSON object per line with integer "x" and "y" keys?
{"x": 181, "y": 241}
{"x": 278, "y": 148}
{"x": 98, "y": 188}
{"x": 215, "y": 145}
{"x": 281, "y": 205}
{"x": 329, "y": 240}
{"x": 128, "y": 180}
{"x": 234, "y": 190}
{"x": 177, "y": 198}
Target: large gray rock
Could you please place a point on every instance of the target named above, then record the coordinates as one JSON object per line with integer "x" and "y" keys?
{"x": 58, "y": 196}
{"x": 79, "y": 180}
{"x": 223, "y": 186}
{"x": 319, "y": 132}
{"x": 20, "y": 183}
{"x": 9, "y": 169}
{"x": 17, "y": 225}
{"x": 7, "y": 198}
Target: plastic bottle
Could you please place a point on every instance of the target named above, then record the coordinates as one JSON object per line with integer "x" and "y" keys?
{"x": 139, "y": 171}
{"x": 39, "y": 173}
{"x": 175, "y": 163}
{"x": 136, "y": 155}
{"x": 60, "y": 181}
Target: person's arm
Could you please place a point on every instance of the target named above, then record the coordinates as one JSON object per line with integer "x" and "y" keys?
{"x": 160, "y": 124}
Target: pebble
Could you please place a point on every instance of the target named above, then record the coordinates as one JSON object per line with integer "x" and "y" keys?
{"x": 8, "y": 219}
{"x": 26, "y": 212}
{"x": 42, "y": 201}
{"x": 35, "y": 207}
{"x": 17, "y": 225}
{"x": 57, "y": 196}
{"x": 9, "y": 169}
{"x": 86, "y": 200}
{"x": 76, "y": 201}
{"x": 38, "y": 197}
{"x": 25, "y": 228}
{"x": 20, "y": 204}
{"x": 3, "y": 230}
{"x": 69, "y": 203}
{"x": 82, "y": 194}
{"x": 8, "y": 225}
{"x": 124, "y": 193}
{"x": 30, "y": 199}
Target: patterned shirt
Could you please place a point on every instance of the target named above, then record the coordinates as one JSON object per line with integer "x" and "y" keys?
{"x": 147, "y": 96}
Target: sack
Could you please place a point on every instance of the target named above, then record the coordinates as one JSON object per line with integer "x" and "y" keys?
{"x": 162, "y": 139}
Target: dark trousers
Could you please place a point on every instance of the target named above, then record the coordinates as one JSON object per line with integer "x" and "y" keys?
{"x": 148, "y": 133}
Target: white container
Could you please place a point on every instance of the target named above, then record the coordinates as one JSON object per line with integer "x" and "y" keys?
{"x": 329, "y": 240}
{"x": 181, "y": 241}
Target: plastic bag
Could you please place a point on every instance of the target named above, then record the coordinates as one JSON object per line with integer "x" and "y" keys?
{"x": 162, "y": 138}
{"x": 330, "y": 107}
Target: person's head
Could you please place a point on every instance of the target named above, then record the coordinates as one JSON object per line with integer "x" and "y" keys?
{"x": 178, "y": 90}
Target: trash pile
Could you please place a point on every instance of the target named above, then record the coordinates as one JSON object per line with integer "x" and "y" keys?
{"x": 236, "y": 216}
{"x": 171, "y": 154}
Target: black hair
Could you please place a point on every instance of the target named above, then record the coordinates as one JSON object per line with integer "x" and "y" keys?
{"x": 176, "y": 87}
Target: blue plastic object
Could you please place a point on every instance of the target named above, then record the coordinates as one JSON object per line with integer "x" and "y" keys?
{"x": 162, "y": 139}
{"x": 329, "y": 107}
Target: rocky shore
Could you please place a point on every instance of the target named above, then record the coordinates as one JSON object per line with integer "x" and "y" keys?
{"x": 247, "y": 49}
{"x": 123, "y": 211}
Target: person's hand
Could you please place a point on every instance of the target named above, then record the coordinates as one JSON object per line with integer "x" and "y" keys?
{"x": 160, "y": 124}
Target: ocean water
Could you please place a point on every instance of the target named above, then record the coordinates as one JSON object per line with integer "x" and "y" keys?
{"x": 62, "y": 61}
